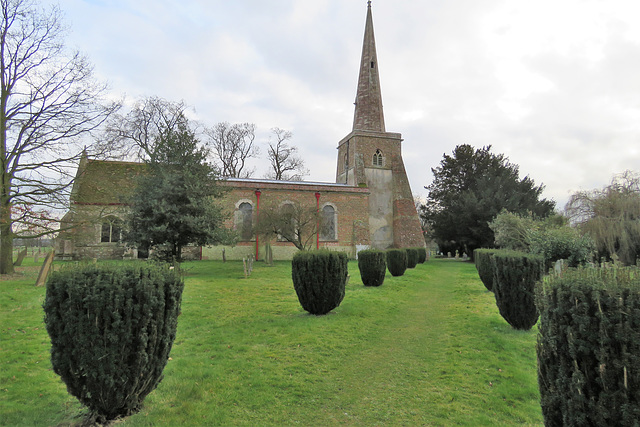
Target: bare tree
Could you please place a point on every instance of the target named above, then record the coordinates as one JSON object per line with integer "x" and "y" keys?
{"x": 611, "y": 216}
{"x": 137, "y": 132}
{"x": 291, "y": 222}
{"x": 232, "y": 145}
{"x": 48, "y": 102}
{"x": 285, "y": 165}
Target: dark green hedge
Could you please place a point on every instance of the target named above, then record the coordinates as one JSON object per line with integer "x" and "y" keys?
{"x": 111, "y": 332}
{"x": 412, "y": 257}
{"x": 396, "y": 261}
{"x": 482, "y": 259}
{"x": 372, "y": 264}
{"x": 515, "y": 275}
{"x": 422, "y": 255}
{"x": 319, "y": 279}
{"x": 589, "y": 348}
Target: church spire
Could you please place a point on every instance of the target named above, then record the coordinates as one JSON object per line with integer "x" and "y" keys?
{"x": 368, "y": 114}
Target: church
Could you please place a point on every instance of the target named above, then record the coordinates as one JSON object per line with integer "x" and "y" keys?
{"x": 369, "y": 206}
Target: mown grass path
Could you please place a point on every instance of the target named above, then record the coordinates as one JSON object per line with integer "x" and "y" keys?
{"x": 427, "y": 348}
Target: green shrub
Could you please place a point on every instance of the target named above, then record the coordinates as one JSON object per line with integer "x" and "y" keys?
{"x": 422, "y": 255}
{"x": 589, "y": 347}
{"x": 412, "y": 257}
{"x": 396, "y": 261}
{"x": 515, "y": 275}
{"x": 561, "y": 243}
{"x": 372, "y": 264}
{"x": 482, "y": 259}
{"x": 319, "y": 278}
{"x": 111, "y": 332}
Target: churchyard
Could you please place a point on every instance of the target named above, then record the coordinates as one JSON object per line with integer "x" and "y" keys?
{"x": 425, "y": 348}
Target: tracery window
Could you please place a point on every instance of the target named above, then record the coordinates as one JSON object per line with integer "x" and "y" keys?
{"x": 111, "y": 230}
{"x": 378, "y": 160}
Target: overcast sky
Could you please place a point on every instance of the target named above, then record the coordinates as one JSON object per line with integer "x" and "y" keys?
{"x": 552, "y": 84}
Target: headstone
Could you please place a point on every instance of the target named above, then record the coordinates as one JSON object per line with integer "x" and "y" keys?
{"x": 21, "y": 255}
{"x": 465, "y": 257}
{"x": 558, "y": 267}
{"x": 45, "y": 269}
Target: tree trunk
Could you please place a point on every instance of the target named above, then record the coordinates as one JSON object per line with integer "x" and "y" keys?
{"x": 6, "y": 243}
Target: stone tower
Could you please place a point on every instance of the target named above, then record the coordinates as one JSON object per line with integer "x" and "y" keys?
{"x": 369, "y": 156}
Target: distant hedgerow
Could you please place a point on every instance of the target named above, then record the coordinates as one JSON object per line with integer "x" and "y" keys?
{"x": 111, "y": 332}
{"x": 396, "y": 261}
{"x": 372, "y": 264}
{"x": 515, "y": 275}
{"x": 589, "y": 347}
{"x": 319, "y": 279}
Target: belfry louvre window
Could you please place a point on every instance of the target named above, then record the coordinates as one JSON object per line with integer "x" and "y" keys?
{"x": 378, "y": 159}
{"x": 111, "y": 230}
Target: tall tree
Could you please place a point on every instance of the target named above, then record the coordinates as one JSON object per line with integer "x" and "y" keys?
{"x": 285, "y": 164}
{"x": 173, "y": 204}
{"x": 611, "y": 216}
{"x": 137, "y": 132}
{"x": 48, "y": 101}
{"x": 292, "y": 222}
{"x": 469, "y": 189}
{"x": 232, "y": 146}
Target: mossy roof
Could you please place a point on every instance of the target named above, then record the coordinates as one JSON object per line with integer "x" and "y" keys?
{"x": 104, "y": 182}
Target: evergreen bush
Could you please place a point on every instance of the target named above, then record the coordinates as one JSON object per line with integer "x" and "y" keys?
{"x": 422, "y": 255}
{"x": 515, "y": 275}
{"x": 396, "y": 261}
{"x": 482, "y": 259}
{"x": 589, "y": 347}
{"x": 111, "y": 332}
{"x": 319, "y": 279}
{"x": 372, "y": 264}
{"x": 412, "y": 257}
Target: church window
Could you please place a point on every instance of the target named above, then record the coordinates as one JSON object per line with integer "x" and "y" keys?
{"x": 373, "y": 64}
{"x": 378, "y": 160}
{"x": 328, "y": 225}
{"x": 111, "y": 230}
{"x": 245, "y": 223}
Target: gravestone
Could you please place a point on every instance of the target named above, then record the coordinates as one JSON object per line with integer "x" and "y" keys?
{"x": 46, "y": 268}
{"x": 21, "y": 255}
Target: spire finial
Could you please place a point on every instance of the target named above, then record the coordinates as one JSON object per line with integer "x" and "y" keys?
{"x": 369, "y": 3}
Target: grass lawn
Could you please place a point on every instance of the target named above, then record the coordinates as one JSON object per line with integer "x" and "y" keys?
{"x": 426, "y": 348}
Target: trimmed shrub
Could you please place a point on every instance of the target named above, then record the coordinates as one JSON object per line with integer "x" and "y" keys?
{"x": 412, "y": 257}
{"x": 422, "y": 255}
{"x": 515, "y": 275}
{"x": 319, "y": 278}
{"x": 372, "y": 264}
{"x": 589, "y": 347}
{"x": 111, "y": 332}
{"x": 482, "y": 259}
{"x": 396, "y": 261}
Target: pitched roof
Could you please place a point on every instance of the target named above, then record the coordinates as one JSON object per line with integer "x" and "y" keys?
{"x": 104, "y": 182}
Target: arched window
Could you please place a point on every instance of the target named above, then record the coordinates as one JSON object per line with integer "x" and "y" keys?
{"x": 245, "y": 223}
{"x": 111, "y": 230}
{"x": 328, "y": 225}
{"x": 378, "y": 159}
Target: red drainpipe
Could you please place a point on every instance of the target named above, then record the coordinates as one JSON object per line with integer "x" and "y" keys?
{"x": 318, "y": 224}
{"x": 257, "y": 219}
